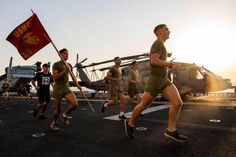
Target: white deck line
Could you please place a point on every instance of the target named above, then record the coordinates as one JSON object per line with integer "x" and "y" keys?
{"x": 148, "y": 110}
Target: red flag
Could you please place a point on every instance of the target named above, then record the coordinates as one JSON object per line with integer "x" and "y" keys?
{"x": 29, "y": 37}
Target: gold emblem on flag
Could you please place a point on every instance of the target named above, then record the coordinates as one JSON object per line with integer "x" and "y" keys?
{"x": 31, "y": 39}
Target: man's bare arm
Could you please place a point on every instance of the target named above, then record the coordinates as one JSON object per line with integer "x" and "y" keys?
{"x": 155, "y": 60}
{"x": 56, "y": 75}
{"x": 132, "y": 81}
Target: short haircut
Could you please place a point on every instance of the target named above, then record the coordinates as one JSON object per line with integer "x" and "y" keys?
{"x": 63, "y": 50}
{"x": 46, "y": 65}
{"x": 134, "y": 62}
{"x": 158, "y": 27}
{"x": 116, "y": 58}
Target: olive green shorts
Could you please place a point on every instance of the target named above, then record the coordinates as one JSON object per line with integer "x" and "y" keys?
{"x": 132, "y": 91}
{"x": 60, "y": 92}
{"x": 115, "y": 90}
{"x": 155, "y": 84}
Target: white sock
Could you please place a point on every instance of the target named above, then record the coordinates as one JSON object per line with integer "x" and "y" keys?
{"x": 105, "y": 105}
{"x": 122, "y": 113}
{"x": 131, "y": 125}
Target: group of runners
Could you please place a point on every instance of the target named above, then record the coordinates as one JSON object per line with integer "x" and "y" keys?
{"x": 156, "y": 83}
{"x": 59, "y": 80}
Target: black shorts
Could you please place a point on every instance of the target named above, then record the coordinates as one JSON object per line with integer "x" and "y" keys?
{"x": 43, "y": 96}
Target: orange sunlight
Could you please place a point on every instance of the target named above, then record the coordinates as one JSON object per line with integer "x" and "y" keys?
{"x": 207, "y": 44}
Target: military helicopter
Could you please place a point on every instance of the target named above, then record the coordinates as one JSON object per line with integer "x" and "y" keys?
{"x": 189, "y": 78}
{"x": 19, "y": 76}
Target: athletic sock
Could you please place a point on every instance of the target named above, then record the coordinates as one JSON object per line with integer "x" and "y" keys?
{"x": 105, "y": 105}
{"x": 122, "y": 113}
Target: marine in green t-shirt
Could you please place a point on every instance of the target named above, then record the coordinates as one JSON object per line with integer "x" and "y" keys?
{"x": 133, "y": 80}
{"x": 61, "y": 89}
{"x": 114, "y": 76}
{"x": 133, "y": 83}
{"x": 158, "y": 80}
{"x": 159, "y": 83}
{"x": 115, "y": 84}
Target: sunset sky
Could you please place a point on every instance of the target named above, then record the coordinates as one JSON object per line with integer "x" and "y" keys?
{"x": 202, "y": 31}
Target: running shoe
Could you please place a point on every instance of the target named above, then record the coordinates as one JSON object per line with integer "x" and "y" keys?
{"x": 64, "y": 118}
{"x": 35, "y": 113}
{"x": 141, "y": 115}
{"x": 129, "y": 130}
{"x": 54, "y": 126}
{"x": 103, "y": 107}
{"x": 175, "y": 136}
{"x": 122, "y": 117}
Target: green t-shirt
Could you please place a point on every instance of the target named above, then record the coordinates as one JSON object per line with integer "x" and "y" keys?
{"x": 115, "y": 73}
{"x": 60, "y": 66}
{"x": 134, "y": 75}
{"x": 158, "y": 47}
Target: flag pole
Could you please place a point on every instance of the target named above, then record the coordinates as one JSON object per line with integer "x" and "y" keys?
{"x": 32, "y": 11}
{"x": 73, "y": 77}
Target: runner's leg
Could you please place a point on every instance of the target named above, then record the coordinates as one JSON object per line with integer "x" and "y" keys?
{"x": 72, "y": 100}
{"x": 57, "y": 110}
{"x": 146, "y": 100}
{"x": 171, "y": 93}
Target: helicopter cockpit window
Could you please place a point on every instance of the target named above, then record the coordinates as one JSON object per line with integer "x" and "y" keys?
{"x": 195, "y": 74}
{"x": 204, "y": 72}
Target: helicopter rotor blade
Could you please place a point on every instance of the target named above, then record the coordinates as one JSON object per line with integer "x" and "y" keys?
{"x": 83, "y": 60}
{"x": 134, "y": 57}
{"x": 77, "y": 58}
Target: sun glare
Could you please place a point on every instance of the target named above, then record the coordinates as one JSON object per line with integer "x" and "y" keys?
{"x": 210, "y": 44}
